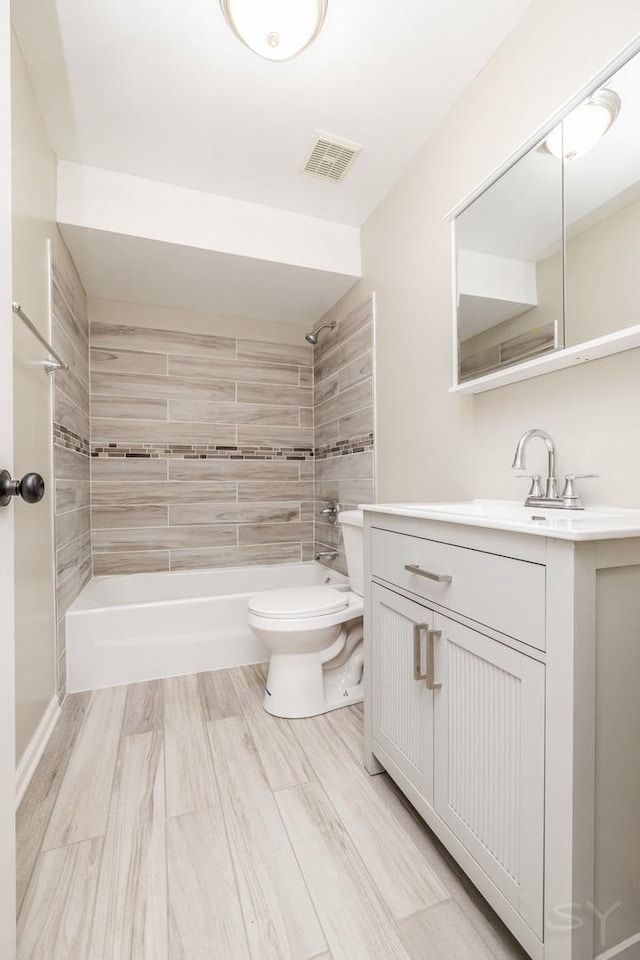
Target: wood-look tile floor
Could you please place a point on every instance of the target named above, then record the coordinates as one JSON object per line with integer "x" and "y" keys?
{"x": 176, "y": 819}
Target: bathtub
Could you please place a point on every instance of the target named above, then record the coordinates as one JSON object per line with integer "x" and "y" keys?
{"x": 144, "y": 626}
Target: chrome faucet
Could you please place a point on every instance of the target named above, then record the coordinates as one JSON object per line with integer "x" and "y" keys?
{"x": 519, "y": 463}
{"x": 570, "y": 499}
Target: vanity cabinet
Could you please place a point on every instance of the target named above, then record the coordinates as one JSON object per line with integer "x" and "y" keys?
{"x": 501, "y": 672}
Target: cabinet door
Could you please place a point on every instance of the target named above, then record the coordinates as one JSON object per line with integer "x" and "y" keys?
{"x": 401, "y": 705}
{"x": 489, "y": 766}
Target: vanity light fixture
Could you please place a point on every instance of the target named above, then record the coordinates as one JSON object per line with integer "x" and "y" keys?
{"x": 581, "y": 130}
{"x": 275, "y": 29}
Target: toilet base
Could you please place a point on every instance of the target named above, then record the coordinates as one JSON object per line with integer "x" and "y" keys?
{"x": 297, "y": 686}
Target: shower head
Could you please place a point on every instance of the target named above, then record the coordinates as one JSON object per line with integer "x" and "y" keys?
{"x": 313, "y": 336}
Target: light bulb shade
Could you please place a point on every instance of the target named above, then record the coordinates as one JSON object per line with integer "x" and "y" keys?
{"x": 584, "y": 127}
{"x": 275, "y": 29}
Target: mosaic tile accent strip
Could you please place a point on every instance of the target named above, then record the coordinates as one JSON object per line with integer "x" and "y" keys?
{"x": 72, "y": 441}
{"x": 342, "y": 448}
{"x": 209, "y": 452}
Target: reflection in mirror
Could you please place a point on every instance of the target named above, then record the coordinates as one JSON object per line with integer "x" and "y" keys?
{"x": 509, "y": 268}
{"x": 602, "y": 210}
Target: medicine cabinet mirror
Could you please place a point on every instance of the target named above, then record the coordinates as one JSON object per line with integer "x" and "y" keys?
{"x": 546, "y": 251}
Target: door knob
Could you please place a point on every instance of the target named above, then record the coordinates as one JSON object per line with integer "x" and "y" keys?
{"x": 30, "y": 488}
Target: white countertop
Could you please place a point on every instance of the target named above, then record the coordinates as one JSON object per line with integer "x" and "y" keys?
{"x": 592, "y": 523}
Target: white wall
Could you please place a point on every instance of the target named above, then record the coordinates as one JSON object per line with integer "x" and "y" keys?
{"x": 436, "y": 445}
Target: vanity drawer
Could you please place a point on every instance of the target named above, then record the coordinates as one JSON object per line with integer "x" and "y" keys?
{"x": 505, "y": 594}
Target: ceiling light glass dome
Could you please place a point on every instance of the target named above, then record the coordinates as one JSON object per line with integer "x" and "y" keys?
{"x": 275, "y": 29}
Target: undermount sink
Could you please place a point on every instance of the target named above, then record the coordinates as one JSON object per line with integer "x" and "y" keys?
{"x": 589, "y": 524}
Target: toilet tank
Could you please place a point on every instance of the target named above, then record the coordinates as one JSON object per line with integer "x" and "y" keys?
{"x": 351, "y": 522}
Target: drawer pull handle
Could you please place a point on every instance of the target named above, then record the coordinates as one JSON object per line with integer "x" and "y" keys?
{"x": 438, "y": 577}
{"x": 417, "y": 638}
{"x": 432, "y": 636}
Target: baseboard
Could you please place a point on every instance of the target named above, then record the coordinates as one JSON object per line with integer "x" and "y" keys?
{"x": 31, "y": 757}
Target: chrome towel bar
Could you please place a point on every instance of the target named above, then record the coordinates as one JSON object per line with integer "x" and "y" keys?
{"x": 50, "y": 365}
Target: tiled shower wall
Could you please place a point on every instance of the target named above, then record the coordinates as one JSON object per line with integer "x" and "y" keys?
{"x": 344, "y": 420}
{"x": 202, "y": 449}
{"x": 71, "y": 461}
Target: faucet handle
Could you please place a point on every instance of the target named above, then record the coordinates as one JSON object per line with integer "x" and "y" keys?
{"x": 536, "y": 489}
{"x": 570, "y": 492}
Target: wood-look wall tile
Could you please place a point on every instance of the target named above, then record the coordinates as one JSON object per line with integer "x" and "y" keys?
{"x": 275, "y": 394}
{"x": 70, "y": 586}
{"x": 72, "y": 353}
{"x": 153, "y": 431}
{"x": 274, "y": 532}
{"x": 306, "y": 417}
{"x": 161, "y": 387}
{"x": 107, "y": 493}
{"x": 74, "y": 389}
{"x": 357, "y": 424}
{"x": 129, "y": 408}
{"x": 356, "y": 371}
{"x": 300, "y": 437}
{"x": 156, "y": 340}
{"x": 218, "y": 697}
{"x": 69, "y": 557}
{"x": 65, "y": 277}
{"x": 233, "y": 470}
{"x": 325, "y": 389}
{"x": 81, "y": 809}
{"x": 70, "y": 465}
{"x": 126, "y": 515}
{"x": 130, "y": 913}
{"x": 69, "y": 314}
{"x": 112, "y": 361}
{"x": 306, "y": 470}
{"x": 72, "y": 495}
{"x": 298, "y": 354}
{"x": 210, "y": 412}
{"x": 70, "y": 415}
{"x": 347, "y": 326}
{"x": 164, "y": 538}
{"x": 305, "y": 378}
{"x": 347, "y": 492}
{"x": 327, "y": 433}
{"x": 345, "y": 403}
{"x": 71, "y": 525}
{"x": 203, "y": 513}
{"x": 205, "y": 919}
{"x": 356, "y": 924}
{"x": 279, "y": 916}
{"x": 356, "y": 466}
{"x": 55, "y": 920}
{"x": 126, "y": 470}
{"x": 235, "y": 556}
{"x": 343, "y": 355}
{"x": 276, "y": 491}
{"x": 151, "y": 561}
{"x": 144, "y": 708}
{"x": 245, "y": 370}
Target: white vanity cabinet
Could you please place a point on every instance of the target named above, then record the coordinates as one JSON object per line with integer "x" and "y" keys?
{"x": 481, "y": 654}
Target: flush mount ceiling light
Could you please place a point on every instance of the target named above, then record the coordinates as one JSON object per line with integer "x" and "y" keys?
{"x": 275, "y": 29}
{"x": 585, "y": 126}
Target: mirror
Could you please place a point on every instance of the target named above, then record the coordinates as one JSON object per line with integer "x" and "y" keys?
{"x": 546, "y": 252}
{"x": 509, "y": 268}
{"x": 602, "y": 211}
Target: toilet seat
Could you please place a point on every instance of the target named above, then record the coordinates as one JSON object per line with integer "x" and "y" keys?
{"x": 298, "y": 603}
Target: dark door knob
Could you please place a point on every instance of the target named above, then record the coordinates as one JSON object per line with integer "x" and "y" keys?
{"x": 30, "y": 488}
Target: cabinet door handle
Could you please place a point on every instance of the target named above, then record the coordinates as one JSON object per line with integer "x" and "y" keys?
{"x": 417, "y": 644}
{"x": 438, "y": 577}
{"x": 432, "y": 636}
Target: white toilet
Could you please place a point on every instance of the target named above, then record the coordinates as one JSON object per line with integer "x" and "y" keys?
{"x": 315, "y": 637}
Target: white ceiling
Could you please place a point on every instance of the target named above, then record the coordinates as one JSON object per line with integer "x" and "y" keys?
{"x": 161, "y": 89}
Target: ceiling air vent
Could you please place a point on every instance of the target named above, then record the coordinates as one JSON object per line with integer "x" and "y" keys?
{"x": 330, "y": 157}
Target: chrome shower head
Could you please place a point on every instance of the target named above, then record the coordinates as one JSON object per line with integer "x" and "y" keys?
{"x": 313, "y": 336}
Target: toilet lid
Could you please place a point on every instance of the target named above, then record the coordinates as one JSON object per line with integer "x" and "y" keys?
{"x": 298, "y": 603}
